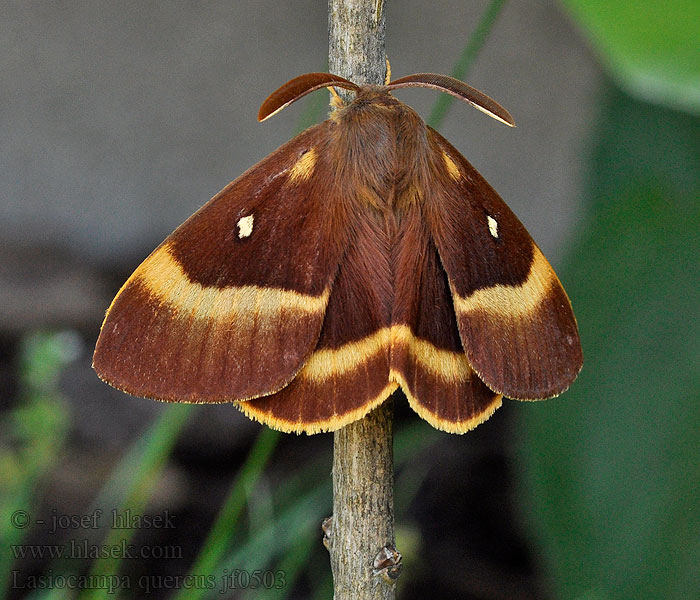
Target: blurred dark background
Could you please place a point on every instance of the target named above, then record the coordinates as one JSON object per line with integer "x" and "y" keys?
{"x": 121, "y": 119}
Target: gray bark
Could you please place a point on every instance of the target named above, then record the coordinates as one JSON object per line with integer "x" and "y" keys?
{"x": 363, "y": 462}
{"x": 356, "y": 48}
{"x": 363, "y": 506}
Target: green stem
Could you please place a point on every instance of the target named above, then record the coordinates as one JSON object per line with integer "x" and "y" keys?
{"x": 216, "y": 543}
{"x": 157, "y": 448}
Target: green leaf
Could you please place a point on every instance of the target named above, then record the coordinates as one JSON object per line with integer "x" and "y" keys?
{"x": 218, "y": 538}
{"x": 141, "y": 469}
{"x": 32, "y": 436}
{"x": 652, "y": 48}
{"x": 612, "y": 468}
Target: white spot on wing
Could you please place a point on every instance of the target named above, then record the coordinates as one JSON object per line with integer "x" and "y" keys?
{"x": 245, "y": 226}
{"x": 493, "y": 226}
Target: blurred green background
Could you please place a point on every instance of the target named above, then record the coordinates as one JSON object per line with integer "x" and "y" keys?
{"x": 594, "y": 495}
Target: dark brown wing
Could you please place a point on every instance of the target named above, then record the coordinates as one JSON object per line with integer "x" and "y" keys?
{"x": 515, "y": 320}
{"x": 427, "y": 357}
{"x": 231, "y": 305}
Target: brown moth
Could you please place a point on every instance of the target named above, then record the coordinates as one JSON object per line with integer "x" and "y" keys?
{"x": 364, "y": 255}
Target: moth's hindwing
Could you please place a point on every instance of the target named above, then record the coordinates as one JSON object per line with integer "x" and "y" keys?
{"x": 348, "y": 373}
{"x": 515, "y": 320}
{"x": 427, "y": 354}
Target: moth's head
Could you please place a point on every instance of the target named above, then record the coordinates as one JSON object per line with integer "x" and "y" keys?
{"x": 367, "y": 95}
{"x": 305, "y": 84}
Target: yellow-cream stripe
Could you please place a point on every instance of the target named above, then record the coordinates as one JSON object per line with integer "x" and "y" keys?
{"x": 322, "y": 425}
{"x": 165, "y": 279}
{"x": 512, "y": 301}
{"x": 446, "y": 424}
{"x": 452, "y": 168}
{"x": 332, "y": 362}
{"x": 303, "y": 168}
{"x": 446, "y": 364}
{"x": 327, "y": 363}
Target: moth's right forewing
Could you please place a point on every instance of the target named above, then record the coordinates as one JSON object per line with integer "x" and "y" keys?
{"x": 515, "y": 319}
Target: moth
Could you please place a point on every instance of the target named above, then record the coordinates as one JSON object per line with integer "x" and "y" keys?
{"x": 363, "y": 256}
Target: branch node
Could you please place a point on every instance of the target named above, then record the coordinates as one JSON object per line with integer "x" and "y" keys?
{"x": 327, "y": 528}
{"x": 387, "y": 564}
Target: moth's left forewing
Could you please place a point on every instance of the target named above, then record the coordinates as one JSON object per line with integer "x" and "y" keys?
{"x": 515, "y": 320}
{"x": 231, "y": 305}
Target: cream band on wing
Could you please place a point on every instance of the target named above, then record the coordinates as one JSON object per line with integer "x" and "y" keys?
{"x": 165, "y": 279}
{"x": 333, "y": 362}
{"x": 302, "y": 169}
{"x": 452, "y": 168}
{"x": 443, "y": 424}
{"x": 445, "y": 364}
{"x": 321, "y": 425}
{"x": 512, "y": 302}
